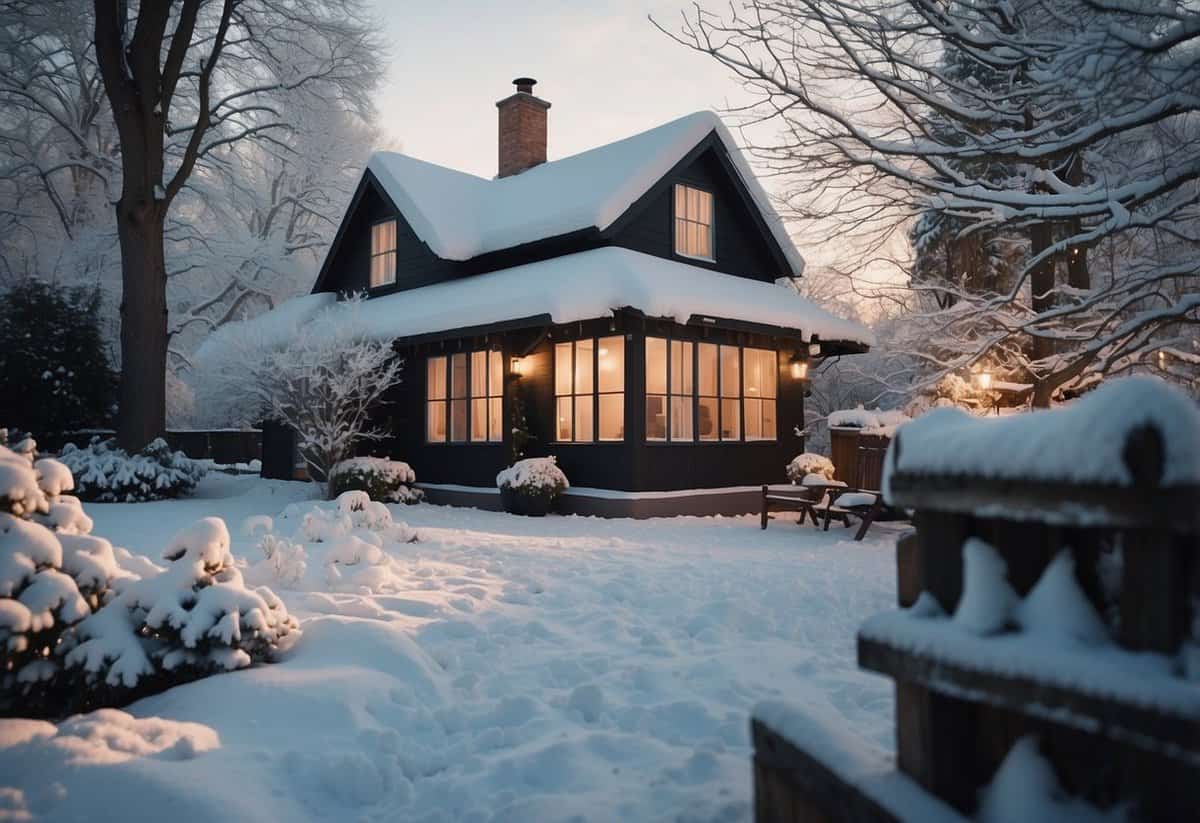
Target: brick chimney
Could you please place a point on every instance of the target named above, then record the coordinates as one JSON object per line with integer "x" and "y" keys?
{"x": 523, "y": 120}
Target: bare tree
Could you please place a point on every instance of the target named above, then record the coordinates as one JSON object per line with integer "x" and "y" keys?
{"x": 1086, "y": 142}
{"x": 324, "y": 381}
{"x": 185, "y": 78}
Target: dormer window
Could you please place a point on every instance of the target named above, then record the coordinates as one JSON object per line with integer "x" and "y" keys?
{"x": 383, "y": 253}
{"x": 693, "y": 222}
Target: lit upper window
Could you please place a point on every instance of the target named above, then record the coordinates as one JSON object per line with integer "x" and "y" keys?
{"x": 693, "y": 222}
{"x": 383, "y": 253}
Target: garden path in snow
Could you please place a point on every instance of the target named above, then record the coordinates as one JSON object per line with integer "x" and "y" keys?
{"x": 501, "y": 669}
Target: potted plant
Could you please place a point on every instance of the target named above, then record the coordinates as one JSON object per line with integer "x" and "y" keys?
{"x": 530, "y": 486}
{"x": 807, "y": 464}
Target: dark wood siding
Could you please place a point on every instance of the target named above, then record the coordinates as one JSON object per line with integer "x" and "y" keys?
{"x": 416, "y": 264}
{"x": 739, "y": 245}
{"x": 631, "y": 465}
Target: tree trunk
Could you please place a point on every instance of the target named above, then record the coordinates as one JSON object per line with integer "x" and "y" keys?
{"x": 143, "y": 402}
{"x": 1041, "y": 283}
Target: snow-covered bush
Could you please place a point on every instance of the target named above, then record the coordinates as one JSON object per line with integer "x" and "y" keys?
{"x": 347, "y": 540}
{"x": 105, "y": 473}
{"x": 286, "y": 559}
{"x": 52, "y": 348}
{"x": 389, "y": 481}
{"x": 194, "y": 618}
{"x": 539, "y": 476}
{"x": 531, "y": 485}
{"x": 53, "y": 574}
{"x": 808, "y": 463}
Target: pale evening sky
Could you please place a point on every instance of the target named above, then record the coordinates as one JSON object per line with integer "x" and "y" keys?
{"x": 605, "y": 69}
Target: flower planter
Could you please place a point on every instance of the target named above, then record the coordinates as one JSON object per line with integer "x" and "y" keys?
{"x": 515, "y": 501}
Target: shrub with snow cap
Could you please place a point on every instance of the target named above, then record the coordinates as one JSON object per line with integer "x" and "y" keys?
{"x": 53, "y": 574}
{"x": 387, "y": 481}
{"x": 106, "y": 474}
{"x": 197, "y": 617}
{"x": 537, "y": 476}
{"x": 808, "y": 463}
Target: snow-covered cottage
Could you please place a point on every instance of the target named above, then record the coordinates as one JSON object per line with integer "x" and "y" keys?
{"x": 627, "y": 295}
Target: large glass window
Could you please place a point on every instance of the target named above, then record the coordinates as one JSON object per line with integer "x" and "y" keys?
{"x": 731, "y": 393}
{"x": 435, "y": 399}
{"x": 762, "y": 374}
{"x": 464, "y": 396}
{"x": 693, "y": 222}
{"x": 487, "y": 396}
{"x": 705, "y": 392}
{"x": 458, "y": 398}
{"x": 589, "y": 382}
{"x": 383, "y": 253}
{"x": 708, "y": 402}
{"x": 670, "y": 389}
{"x": 610, "y": 387}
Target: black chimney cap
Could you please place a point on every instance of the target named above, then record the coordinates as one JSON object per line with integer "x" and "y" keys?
{"x": 525, "y": 84}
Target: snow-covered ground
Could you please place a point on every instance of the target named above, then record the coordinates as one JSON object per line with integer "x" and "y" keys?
{"x": 499, "y": 668}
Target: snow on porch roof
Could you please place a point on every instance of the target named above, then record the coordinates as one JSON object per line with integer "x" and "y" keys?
{"x": 462, "y": 216}
{"x": 581, "y": 286}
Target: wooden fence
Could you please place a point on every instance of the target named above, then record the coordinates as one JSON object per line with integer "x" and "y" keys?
{"x": 1113, "y": 736}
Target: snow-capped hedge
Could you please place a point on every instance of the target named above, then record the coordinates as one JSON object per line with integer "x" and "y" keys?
{"x": 534, "y": 476}
{"x": 79, "y": 631}
{"x": 388, "y": 481}
{"x": 107, "y": 474}
{"x": 808, "y": 463}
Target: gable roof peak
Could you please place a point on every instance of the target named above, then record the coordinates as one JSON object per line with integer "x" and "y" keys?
{"x": 461, "y": 215}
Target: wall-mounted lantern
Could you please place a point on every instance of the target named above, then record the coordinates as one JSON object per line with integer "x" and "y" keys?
{"x": 517, "y": 366}
{"x": 799, "y": 369}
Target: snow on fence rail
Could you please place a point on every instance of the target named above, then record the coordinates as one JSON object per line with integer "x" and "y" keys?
{"x": 1050, "y": 625}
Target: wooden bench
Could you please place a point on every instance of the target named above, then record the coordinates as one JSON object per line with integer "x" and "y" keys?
{"x": 791, "y": 498}
{"x": 864, "y": 503}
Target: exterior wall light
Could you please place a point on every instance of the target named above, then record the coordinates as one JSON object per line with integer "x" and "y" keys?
{"x": 799, "y": 369}
{"x": 517, "y": 366}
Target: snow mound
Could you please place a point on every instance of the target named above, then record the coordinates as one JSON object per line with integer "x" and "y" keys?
{"x": 1082, "y": 442}
{"x": 1057, "y": 608}
{"x": 109, "y": 736}
{"x": 988, "y": 601}
{"x": 1026, "y": 789}
{"x": 879, "y": 421}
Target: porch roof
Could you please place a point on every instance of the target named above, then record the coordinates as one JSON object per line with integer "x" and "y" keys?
{"x": 583, "y": 286}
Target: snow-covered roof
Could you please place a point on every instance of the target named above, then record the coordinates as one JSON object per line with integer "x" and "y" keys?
{"x": 1081, "y": 443}
{"x": 573, "y": 287}
{"x": 462, "y": 216}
